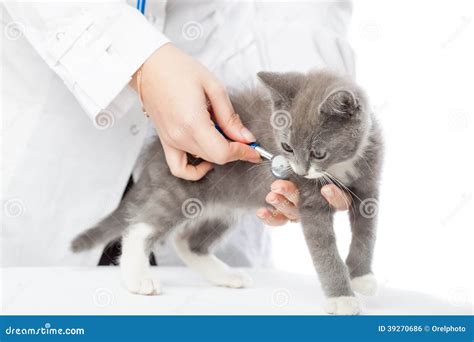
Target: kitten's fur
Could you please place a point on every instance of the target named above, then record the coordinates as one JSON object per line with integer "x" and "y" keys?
{"x": 329, "y": 114}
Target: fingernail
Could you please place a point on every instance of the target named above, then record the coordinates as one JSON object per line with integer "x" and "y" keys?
{"x": 247, "y": 135}
{"x": 327, "y": 191}
{"x": 260, "y": 215}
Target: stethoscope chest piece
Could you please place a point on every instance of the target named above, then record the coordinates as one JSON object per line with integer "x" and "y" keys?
{"x": 280, "y": 167}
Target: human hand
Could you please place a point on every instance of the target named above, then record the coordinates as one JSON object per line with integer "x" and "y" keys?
{"x": 184, "y": 100}
{"x": 284, "y": 198}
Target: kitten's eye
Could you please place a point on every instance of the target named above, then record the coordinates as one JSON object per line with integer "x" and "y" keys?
{"x": 318, "y": 155}
{"x": 286, "y": 147}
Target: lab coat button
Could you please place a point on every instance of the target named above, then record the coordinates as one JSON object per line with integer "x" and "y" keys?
{"x": 60, "y": 35}
{"x": 151, "y": 18}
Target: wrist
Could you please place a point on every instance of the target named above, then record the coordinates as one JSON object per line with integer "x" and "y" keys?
{"x": 135, "y": 79}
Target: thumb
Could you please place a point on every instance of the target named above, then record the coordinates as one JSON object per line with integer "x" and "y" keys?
{"x": 336, "y": 197}
{"x": 225, "y": 116}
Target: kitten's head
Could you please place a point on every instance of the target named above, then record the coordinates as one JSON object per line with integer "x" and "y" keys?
{"x": 319, "y": 119}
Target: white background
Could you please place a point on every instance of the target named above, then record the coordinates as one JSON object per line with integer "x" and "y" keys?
{"x": 415, "y": 59}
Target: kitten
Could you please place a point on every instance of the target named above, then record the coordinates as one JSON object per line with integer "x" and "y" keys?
{"x": 322, "y": 124}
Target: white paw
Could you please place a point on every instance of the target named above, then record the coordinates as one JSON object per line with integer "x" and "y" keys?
{"x": 342, "y": 306}
{"x": 232, "y": 278}
{"x": 365, "y": 285}
{"x": 143, "y": 286}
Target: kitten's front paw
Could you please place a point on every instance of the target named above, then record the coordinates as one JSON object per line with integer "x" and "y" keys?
{"x": 143, "y": 286}
{"x": 365, "y": 285}
{"x": 233, "y": 278}
{"x": 342, "y": 306}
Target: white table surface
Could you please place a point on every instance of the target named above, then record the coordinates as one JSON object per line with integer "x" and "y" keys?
{"x": 98, "y": 291}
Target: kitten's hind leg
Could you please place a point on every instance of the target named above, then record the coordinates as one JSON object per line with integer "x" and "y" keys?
{"x": 134, "y": 262}
{"x": 193, "y": 247}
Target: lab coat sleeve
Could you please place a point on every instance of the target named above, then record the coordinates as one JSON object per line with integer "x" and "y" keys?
{"x": 94, "y": 47}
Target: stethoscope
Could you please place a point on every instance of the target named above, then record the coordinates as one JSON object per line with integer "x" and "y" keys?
{"x": 279, "y": 164}
{"x": 141, "y": 6}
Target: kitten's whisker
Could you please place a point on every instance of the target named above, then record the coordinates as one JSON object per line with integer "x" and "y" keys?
{"x": 346, "y": 201}
{"x": 253, "y": 167}
{"x": 346, "y": 189}
{"x": 340, "y": 183}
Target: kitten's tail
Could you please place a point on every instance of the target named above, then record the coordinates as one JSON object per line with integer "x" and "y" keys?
{"x": 106, "y": 230}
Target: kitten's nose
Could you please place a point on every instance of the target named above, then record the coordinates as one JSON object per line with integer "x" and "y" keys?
{"x": 298, "y": 169}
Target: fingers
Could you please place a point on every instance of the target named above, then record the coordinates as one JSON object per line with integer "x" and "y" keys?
{"x": 284, "y": 197}
{"x": 178, "y": 163}
{"x": 336, "y": 197}
{"x": 220, "y": 150}
{"x": 283, "y": 205}
{"x": 271, "y": 218}
{"x": 224, "y": 113}
{"x": 287, "y": 189}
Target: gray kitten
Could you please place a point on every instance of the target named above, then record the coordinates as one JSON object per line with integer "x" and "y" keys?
{"x": 322, "y": 124}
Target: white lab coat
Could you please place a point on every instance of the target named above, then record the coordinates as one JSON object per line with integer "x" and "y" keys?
{"x": 72, "y": 129}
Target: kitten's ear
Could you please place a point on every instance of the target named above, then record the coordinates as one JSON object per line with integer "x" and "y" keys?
{"x": 283, "y": 86}
{"x": 340, "y": 102}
